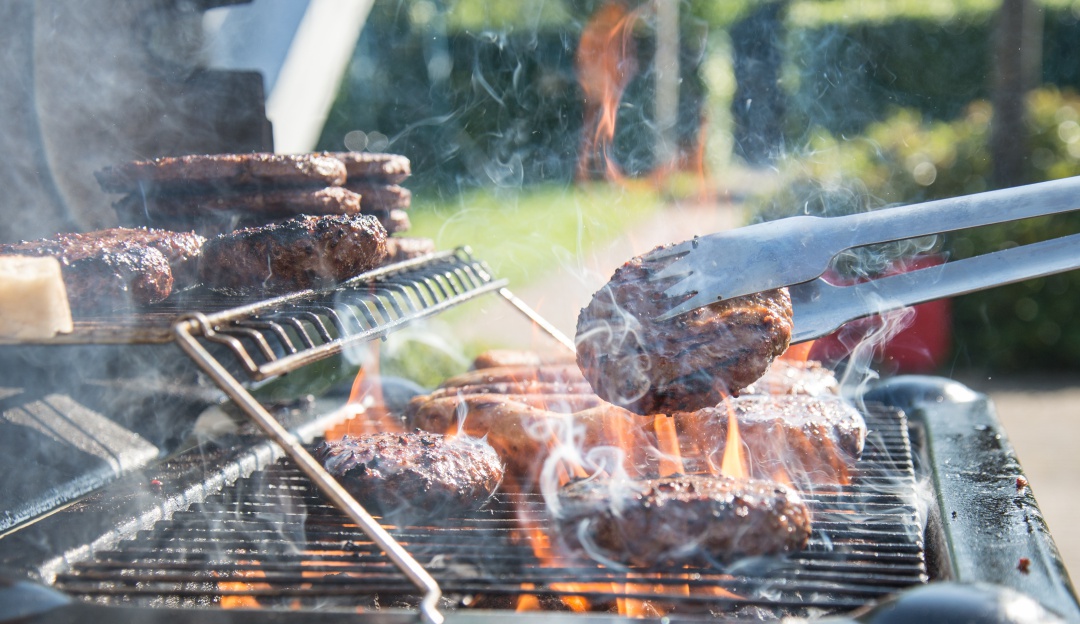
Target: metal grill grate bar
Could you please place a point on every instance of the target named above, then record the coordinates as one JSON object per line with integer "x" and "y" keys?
{"x": 272, "y": 537}
{"x": 280, "y": 335}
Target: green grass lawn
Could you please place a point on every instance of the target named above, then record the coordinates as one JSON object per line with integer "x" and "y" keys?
{"x": 524, "y": 234}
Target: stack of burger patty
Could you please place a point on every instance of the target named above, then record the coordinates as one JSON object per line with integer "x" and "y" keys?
{"x": 276, "y": 222}
{"x": 244, "y": 224}
{"x": 216, "y": 192}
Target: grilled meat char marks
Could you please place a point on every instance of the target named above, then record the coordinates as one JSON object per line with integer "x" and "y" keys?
{"x": 682, "y": 518}
{"x": 295, "y": 254}
{"x": 221, "y": 172}
{"x": 807, "y": 378}
{"x": 413, "y": 475}
{"x": 389, "y": 168}
{"x": 267, "y": 204}
{"x": 118, "y": 267}
{"x": 685, "y": 363}
{"x": 809, "y": 440}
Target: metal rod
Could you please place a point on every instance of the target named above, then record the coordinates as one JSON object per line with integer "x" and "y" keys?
{"x": 535, "y": 317}
{"x": 300, "y": 359}
{"x": 184, "y": 331}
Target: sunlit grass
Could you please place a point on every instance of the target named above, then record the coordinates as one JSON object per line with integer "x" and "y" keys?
{"x": 525, "y": 234}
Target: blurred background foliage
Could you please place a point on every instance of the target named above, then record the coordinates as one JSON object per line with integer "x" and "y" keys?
{"x": 877, "y": 102}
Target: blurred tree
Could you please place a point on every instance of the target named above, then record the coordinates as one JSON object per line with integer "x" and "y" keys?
{"x": 1017, "y": 64}
{"x": 758, "y": 105}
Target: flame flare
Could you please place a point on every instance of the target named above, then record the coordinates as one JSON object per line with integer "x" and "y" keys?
{"x": 605, "y": 65}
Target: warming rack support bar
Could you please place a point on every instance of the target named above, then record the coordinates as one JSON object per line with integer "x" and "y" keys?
{"x": 184, "y": 332}
{"x": 535, "y": 317}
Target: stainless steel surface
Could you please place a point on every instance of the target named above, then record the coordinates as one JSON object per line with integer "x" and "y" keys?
{"x": 535, "y": 317}
{"x": 798, "y": 249}
{"x": 290, "y": 332}
{"x": 295, "y": 450}
{"x": 271, "y": 540}
{"x": 820, "y": 307}
{"x": 282, "y": 335}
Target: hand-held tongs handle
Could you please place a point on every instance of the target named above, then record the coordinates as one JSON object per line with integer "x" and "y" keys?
{"x": 820, "y": 307}
{"x": 798, "y": 249}
{"x": 958, "y": 213}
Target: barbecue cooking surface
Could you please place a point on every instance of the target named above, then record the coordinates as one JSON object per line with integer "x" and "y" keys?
{"x": 271, "y": 541}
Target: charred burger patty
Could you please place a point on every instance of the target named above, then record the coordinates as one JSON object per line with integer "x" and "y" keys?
{"x": 685, "y": 363}
{"x": 118, "y": 267}
{"x": 682, "y": 517}
{"x": 295, "y": 254}
{"x": 421, "y": 475}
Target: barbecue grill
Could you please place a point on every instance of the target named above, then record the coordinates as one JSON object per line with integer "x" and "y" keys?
{"x": 238, "y": 522}
{"x": 143, "y": 518}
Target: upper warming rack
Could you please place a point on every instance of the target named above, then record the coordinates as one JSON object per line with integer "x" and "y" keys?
{"x": 276, "y": 336}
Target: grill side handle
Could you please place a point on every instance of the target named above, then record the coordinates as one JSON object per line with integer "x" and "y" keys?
{"x": 991, "y": 524}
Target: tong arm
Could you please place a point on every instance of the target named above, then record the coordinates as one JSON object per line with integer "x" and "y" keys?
{"x": 820, "y": 308}
{"x": 798, "y": 249}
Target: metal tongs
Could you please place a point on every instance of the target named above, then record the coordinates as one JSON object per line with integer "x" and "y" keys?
{"x": 796, "y": 251}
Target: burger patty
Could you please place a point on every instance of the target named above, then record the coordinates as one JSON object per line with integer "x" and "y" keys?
{"x": 393, "y": 220}
{"x": 402, "y": 248}
{"x": 810, "y": 440}
{"x": 808, "y": 378}
{"x": 221, "y": 172}
{"x": 376, "y": 196}
{"x": 118, "y": 267}
{"x": 681, "y": 518}
{"x": 685, "y": 363}
{"x": 388, "y": 168}
{"x": 267, "y": 204}
{"x": 295, "y": 254}
{"x": 523, "y": 434}
{"x": 418, "y": 476}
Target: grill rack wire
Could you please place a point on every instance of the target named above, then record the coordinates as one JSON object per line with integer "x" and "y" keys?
{"x": 272, "y": 540}
{"x": 270, "y": 338}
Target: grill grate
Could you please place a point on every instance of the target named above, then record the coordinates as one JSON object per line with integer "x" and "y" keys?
{"x": 272, "y": 541}
{"x": 277, "y": 336}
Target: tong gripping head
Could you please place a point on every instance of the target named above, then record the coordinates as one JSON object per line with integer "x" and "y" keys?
{"x": 739, "y": 262}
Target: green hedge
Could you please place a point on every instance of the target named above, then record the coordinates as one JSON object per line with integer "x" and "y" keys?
{"x": 845, "y": 75}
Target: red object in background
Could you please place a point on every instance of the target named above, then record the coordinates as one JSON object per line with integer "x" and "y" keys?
{"x": 920, "y": 347}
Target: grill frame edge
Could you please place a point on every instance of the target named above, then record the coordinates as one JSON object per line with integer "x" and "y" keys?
{"x": 984, "y": 520}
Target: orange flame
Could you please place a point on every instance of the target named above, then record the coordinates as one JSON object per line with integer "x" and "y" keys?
{"x": 798, "y": 352}
{"x": 365, "y": 408}
{"x": 240, "y": 600}
{"x": 528, "y": 602}
{"x": 545, "y": 554}
{"x": 605, "y": 64}
{"x": 733, "y": 464}
{"x": 667, "y": 442}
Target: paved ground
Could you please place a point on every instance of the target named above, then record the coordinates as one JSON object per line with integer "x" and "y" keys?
{"x": 1040, "y": 414}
